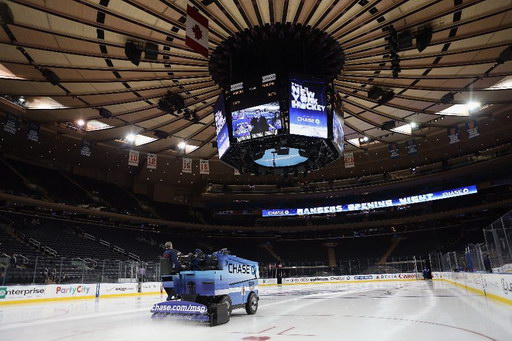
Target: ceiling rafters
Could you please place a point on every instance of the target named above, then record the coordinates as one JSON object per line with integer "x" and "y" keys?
{"x": 95, "y": 55}
{"x": 182, "y": 71}
{"x": 170, "y": 21}
{"x": 103, "y": 26}
{"x": 99, "y": 41}
{"x": 410, "y": 25}
{"x": 449, "y": 39}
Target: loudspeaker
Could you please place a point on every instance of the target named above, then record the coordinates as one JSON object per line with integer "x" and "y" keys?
{"x": 151, "y": 51}
{"x": 505, "y": 55}
{"x": 388, "y": 125}
{"x": 50, "y": 76}
{"x": 5, "y": 14}
{"x": 375, "y": 92}
{"x": 447, "y": 99}
{"x": 404, "y": 40}
{"x": 105, "y": 113}
{"x": 423, "y": 38}
{"x": 132, "y": 52}
{"x": 388, "y": 96}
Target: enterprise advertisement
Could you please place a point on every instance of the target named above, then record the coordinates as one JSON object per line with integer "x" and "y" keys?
{"x": 308, "y": 108}
{"x": 221, "y": 127}
{"x": 415, "y": 199}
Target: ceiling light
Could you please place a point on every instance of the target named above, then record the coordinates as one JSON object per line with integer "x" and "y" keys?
{"x": 131, "y": 137}
{"x": 21, "y": 99}
{"x": 413, "y": 125}
{"x": 80, "y": 123}
{"x": 473, "y": 106}
{"x": 182, "y": 145}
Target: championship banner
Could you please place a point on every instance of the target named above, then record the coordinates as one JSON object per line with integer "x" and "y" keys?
{"x": 411, "y": 147}
{"x": 204, "y": 167}
{"x": 197, "y": 31}
{"x": 11, "y": 124}
{"x": 133, "y": 158}
{"x": 86, "y": 148}
{"x": 453, "y": 134}
{"x": 33, "y": 131}
{"x": 187, "y": 165}
{"x": 152, "y": 159}
{"x": 472, "y": 128}
{"x": 394, "y": 151}
{"x": 349, "y": 160}
{"x": 236, "y": 172}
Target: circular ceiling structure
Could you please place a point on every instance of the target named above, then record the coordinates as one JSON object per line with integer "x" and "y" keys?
{"x": 64, "y": 65}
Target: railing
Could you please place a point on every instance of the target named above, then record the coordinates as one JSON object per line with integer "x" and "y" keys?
{"x": 493, "y": 255}
{"x": 410, "y": 264}
{"x": 48, "y": 270}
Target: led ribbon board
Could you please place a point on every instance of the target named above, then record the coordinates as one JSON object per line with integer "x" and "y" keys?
{"x": 415, "y": 199}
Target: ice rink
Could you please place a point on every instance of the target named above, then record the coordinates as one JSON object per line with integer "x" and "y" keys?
{"x": 378, "y": 311}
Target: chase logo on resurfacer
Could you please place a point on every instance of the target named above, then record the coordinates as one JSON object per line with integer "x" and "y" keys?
{"x": 241, "y": 269}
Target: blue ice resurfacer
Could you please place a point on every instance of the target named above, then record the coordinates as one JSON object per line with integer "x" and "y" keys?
{"x": 209, "y": 287}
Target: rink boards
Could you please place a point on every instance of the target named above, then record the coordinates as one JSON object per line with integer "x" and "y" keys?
{"x": 494, "y": 286}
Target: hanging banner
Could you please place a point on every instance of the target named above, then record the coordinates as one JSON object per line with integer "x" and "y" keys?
{"x": 11, "y": 124}
{"x": 411, "y": 147}
{"x": 187, "y": 165}
{"x": 204, "y": 167}
{"x": 349, "y": 160}
{"x": 152, "y": 159}
{"x": 453, "y": 134}
{"x": 86, "y": 148}
{"x": 394, "y": 151}
{"x": 33, "y": 131}
{"x": 236, "y": 172}
{"x": 472, "y": 128}
{"x": 197, "y": 31}
{"x": 133, "y": 158}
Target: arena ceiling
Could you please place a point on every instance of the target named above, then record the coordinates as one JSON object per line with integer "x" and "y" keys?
{"x": 82, "y": 42}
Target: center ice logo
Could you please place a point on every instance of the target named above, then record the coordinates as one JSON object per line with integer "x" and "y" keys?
{"x": 3, "y": 292}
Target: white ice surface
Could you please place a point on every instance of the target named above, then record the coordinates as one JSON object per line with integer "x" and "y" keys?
{"x": 381, "y": 311}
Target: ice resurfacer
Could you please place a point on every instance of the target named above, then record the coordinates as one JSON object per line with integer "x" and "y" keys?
{"x": 209, "y": 287}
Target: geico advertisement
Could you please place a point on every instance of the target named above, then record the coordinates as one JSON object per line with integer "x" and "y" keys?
{"x": 118, "y": 288}
{"x": 150, "y": 287}
{"x": 370, "y": 277}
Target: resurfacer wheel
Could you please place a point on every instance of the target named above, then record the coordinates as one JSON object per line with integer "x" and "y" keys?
{"x": 227, "y": 300}
{"x": 251, "y": 307}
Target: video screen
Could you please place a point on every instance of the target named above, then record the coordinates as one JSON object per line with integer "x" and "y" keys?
{"x": 221, "y": 127}
{"x": 337, "y": 132}
{"x": 308, "y": 108}
{"x": 259, "y": 121}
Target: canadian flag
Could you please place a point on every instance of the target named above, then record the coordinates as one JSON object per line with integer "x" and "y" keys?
{"x": 197, "y": 31}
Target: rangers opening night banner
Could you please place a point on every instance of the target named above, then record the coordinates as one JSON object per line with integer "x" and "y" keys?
{"x": 86, "y": 148}
{"x": 414, "y": 199}
{"x": 11, "y": 124}
{"x": 453, "y": 134}
{"x": 394, "y": 151}
{"x": 33, "y": 131}
{"x": 204, "y": 167}
{"x": 308, "y": 114}
{"x": 197, "y": 31}
{"x": 152, "y": 159}
{"x": 349, "y": 160}
{"x": 187, "y": 166}
{"x": 472, "y": 128}
{"x": 133, "y": 158}
{"x": 411, "y": 147}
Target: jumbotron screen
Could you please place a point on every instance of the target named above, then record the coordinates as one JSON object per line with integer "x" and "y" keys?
{"x": 337, "y": 131}
{"x": 221, "y": 126}
{"x": 259, "y": 121}
{"x": 308, "y": 107}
